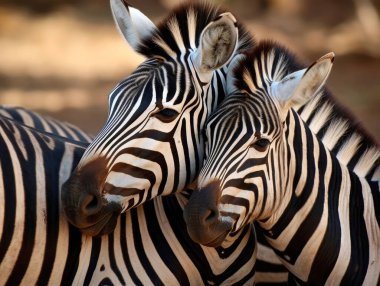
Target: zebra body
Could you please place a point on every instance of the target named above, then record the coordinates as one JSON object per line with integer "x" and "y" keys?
{"x": 150, "y": 244}
{"x": 313, "y": 190}
{"x": 33, "y": 166}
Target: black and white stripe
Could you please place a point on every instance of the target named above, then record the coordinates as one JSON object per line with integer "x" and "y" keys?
{"x": 152, "y": 142}
{"x": 44, "y": 123}
{"x": 150, "y": 244}
{"x": 312, "y": 187}
{"x": 33, "y": 166}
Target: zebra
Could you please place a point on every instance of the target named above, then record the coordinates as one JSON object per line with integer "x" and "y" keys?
{"x": 149, "y": 245}
{"x": 315, "y": 198}
{"x": 152, "y": 142}
{"x": 156, "y": 115}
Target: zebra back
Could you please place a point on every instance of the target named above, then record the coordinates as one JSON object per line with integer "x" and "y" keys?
{"x": 44, "y": 123}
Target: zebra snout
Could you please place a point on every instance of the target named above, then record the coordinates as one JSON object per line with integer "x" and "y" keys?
{"x": 83, "y": 201}
{"x": 86, "y": 209}
{"x": 203, "y": 219}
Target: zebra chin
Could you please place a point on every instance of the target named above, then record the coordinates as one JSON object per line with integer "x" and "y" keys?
{"x": 103, "y": 226}
{"x": 101, "y": 223}
{"x": 210, "y": 237}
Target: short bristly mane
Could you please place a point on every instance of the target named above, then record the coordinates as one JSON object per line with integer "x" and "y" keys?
{"x": 333, "y": 124}
{"x": 181, "y": 31}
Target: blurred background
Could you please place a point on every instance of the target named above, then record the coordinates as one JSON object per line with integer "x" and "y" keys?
{"x": 62, "y": 58}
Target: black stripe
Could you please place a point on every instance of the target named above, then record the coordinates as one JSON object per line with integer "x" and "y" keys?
{"x": 72, "y": 261}
{"x": 95, "y": 251}
{"x": 328, "y": 251}
{"x": 142, "y": 255}
{"x": 51, "y": 159}
{"x": 9, "y": 195}
{"x": 124, "y": 248}
{"x": 112, "y": 259}
{"x": 186, "y": 152}
{"x": 358, "y": 266}
{"x": 192, "y": 249}
{"x": 162, "y": 246}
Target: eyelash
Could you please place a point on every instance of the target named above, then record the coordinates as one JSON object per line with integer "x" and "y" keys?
{"x": 166, "y": 115}
{"x": 261, "y": 144}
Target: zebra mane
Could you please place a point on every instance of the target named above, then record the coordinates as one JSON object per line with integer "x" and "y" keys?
{"x": 181, "y": 31}
{"x": 339, "y": 131}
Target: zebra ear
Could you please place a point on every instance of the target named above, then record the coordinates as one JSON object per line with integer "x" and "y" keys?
{"x": 131, "y": 23}
{"x": 217, "y": 44}
{"x": 299, "y": 87}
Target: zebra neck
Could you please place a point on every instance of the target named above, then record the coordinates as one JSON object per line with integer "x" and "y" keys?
{"x": 216, "y": 90}
{"x": 325, "y": 229}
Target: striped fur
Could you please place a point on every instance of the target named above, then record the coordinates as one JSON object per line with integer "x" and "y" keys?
{"x": 152, "y": 142}
{"x": 314, "y": 190}
{"x": 38, "y": 247}
{"x": 44, "y": 123}
{"x": 144, "y": 155}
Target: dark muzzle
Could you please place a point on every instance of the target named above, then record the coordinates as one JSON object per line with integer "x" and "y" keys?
{"x": 83, "y": 203}
{"x": 204, "y": 223}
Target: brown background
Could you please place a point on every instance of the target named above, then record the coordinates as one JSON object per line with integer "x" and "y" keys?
{"x": 62, "y": 58}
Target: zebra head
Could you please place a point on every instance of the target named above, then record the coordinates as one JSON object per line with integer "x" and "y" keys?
{"x": 244, "y": 174}
{"x": 151, "y": 143}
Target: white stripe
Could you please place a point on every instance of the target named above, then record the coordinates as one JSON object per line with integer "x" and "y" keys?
{"x": 119, "y": 253}
{"x": 36, "y": 259}
{"x": 191, "y": 22}
{"x": 104, "y": 261}
{"x": 63, "y": 227}
{"x": 373, "y": 232}
{"x": 84, "y": 260}
{"x": 344, "y": 256}
{"x": 6, "y": 266}
{"x": 334, "y": 132}
{"x": 348, "y": 150}
{"x": 174, "y": 29}
{"x": 367, "y": 161}
{"x": 132, "y": 253}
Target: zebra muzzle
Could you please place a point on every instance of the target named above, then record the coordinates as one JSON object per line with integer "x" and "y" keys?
{"x": 204, "y": 222}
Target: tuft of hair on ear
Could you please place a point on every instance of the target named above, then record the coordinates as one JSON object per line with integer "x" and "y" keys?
{"x": 217, "y": 46}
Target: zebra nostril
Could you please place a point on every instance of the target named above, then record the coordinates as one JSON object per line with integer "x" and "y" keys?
{"x": 210, "y": 215}
{"x": 90, "y": 204}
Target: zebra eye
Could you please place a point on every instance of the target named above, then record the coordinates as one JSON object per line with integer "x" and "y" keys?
{"x": 166, "y": 115}
{"x": 261, "y": 144}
